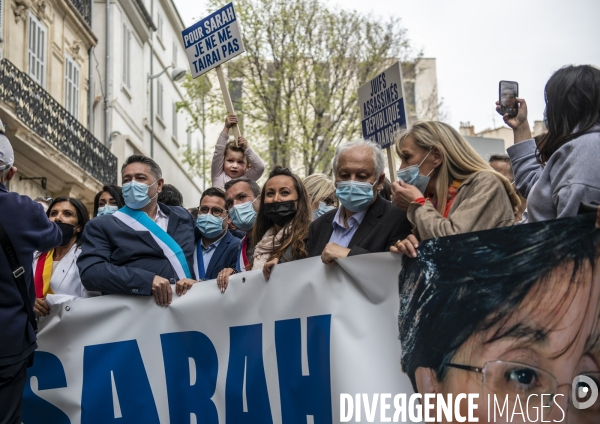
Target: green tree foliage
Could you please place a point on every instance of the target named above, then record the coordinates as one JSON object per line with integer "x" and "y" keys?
{"x": 301, "y": 71}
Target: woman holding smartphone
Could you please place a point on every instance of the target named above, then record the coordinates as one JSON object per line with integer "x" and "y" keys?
{"x": 561, "y": 172}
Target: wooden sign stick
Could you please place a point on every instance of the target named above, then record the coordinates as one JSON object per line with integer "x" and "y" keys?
{"x": 227, "y": 100}
{"x": 391, "y": 164}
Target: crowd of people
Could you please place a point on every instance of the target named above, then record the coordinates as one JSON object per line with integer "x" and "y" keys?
{"x": 141, "y": 240}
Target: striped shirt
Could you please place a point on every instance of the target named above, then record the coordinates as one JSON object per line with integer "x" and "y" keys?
{"x": 342, "y": 235}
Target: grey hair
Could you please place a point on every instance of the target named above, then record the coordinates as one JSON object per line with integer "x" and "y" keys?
{"x": 499, "y": 157}
{"x": 378, "y": 158}
{"x": 154, "y": 168}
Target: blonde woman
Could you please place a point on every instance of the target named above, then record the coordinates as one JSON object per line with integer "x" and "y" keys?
{"x": 321, "y": 191}
{"x": 446, "y": 188}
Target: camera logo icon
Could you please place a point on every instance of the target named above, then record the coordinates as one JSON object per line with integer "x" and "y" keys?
{"x": 584, "y": 392}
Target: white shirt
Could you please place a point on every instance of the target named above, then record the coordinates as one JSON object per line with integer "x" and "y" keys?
{"x": 162, "y": 220}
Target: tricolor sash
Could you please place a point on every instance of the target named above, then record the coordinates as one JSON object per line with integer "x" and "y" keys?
{"x": 242, "y": 260}
{"x": 140, "y": 221}
{"x": 43, "y": 274}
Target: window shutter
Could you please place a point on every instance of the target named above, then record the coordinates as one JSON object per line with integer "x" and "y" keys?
{"x": 37, "y": 51}
{"x": 72, "y": 87}
{"x": 159, "y": 98}
{"x": 126, "y": 56}
{"x": 175, "y": 120}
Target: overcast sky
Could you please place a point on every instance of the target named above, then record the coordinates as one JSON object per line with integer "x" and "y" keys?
{"x": 477, "y": 43}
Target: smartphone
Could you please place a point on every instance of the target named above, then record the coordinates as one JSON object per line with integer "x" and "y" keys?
{"x": 508, "y": 93}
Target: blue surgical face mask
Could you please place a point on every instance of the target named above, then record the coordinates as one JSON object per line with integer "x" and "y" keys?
{"x": 410, "y": 175}
{"x": 209, "y": 225}
{"x": 355, "y": 196}
{"x": 322, "y": 210}
{"x": 136, "y": 194}
{"x": 107, "y": 210}
{"x": 243, "y": 215}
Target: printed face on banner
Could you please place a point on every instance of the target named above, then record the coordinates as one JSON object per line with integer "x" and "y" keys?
{"x": 382, "y": 109}
{"x": 213, "y": 40}
{"x": 511, "y": 314}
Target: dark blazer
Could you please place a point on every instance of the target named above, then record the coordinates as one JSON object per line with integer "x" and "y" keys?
{"x": 28, "y": 229}
{"x": 116, "y": 259}
{"x": 383, "y": 225}
{"x": 224, "y": 257}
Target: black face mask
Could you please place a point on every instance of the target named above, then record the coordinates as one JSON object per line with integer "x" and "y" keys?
{"x": 280, "y": 213}
{"x": 68, "y": 231}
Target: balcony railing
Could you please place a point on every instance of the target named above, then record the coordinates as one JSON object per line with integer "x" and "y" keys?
{"x": 44, "y": 115}
{"x": 85, "y": 9}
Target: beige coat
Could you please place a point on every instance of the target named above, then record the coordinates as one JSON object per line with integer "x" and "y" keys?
{"x": 482, "y": 203}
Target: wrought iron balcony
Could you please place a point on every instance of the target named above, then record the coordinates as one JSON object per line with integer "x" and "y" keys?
{"x": 85, "y": 9}
{"x": 44, "y": 115}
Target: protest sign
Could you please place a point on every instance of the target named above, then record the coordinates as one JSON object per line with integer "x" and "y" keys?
{"x": 382, "y": 110}
{"x": 211, "y": 42}
{"x": 281, "y": 351}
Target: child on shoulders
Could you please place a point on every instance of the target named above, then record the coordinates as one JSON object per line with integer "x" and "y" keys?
{"x": 231, "y": 161}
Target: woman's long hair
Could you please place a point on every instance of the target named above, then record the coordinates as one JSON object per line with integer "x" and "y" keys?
{"x": 572, "y": 107}
{"x": 83, "y": 216}
{"x": 296, "y": 231}
{"x": 460, "y": 160}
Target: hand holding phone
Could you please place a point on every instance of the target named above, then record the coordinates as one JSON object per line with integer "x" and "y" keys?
{"x": 507, "y": 93}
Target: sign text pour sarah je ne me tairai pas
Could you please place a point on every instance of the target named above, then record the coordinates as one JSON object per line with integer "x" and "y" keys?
{"x": 213, "y": 40}
{"x": 382, "y": 109}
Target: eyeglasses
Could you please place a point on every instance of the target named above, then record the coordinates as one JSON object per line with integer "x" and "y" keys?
{"x": 215, "y": 210}
{"x": 509, "y": 380}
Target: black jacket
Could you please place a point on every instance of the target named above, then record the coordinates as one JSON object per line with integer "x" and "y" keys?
{"x": 383, "y": 225}
{"x": 29, "y": 229}
{"x": 117, "y": 259}
{"x": 225, "y": 256}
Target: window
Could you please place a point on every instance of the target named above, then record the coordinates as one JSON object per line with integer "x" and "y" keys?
{"x": 159, "y": 98}
{"x": 37, "y": 51}
{"x": 160, "y": 25}
{"x": 72, "y": 87}
{"x": 174, "y": 54}
{"x": 126, "y": 56}
{"x": 175, "y": 120}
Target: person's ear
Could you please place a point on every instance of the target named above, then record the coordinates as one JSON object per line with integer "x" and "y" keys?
{"x": 11, "y": 173}
{"x": 159, "y": 184}
{"x": 436, "y": 154}
{"x": 379, "y": 185}
{"x": 426, "y": 380}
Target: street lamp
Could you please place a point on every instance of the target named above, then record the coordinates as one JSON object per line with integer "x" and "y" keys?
{"x": 176, "y": 75}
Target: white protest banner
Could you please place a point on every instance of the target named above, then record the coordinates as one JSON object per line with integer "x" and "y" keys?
{"x": 282, "y": 351}
{"x": 213, "y": 40}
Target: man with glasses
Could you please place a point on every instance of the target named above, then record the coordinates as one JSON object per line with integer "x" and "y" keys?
{"x": 217, "y": 248}
{"x": 510, "y": 314}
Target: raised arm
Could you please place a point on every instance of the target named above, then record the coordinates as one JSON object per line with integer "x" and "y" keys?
{"x": 484, "y": 205}
{"x": 218, "y": 160}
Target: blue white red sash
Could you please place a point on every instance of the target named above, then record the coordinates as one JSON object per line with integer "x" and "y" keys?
{"x": 242, "y": 260}
{"x": 140, "y": 221}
